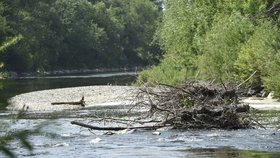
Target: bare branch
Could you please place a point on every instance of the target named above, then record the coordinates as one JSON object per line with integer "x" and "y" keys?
{"x": 114, "y": 128}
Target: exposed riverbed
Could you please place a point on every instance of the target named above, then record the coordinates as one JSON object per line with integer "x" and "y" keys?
{"x": 93, "y": 96}
{"x": 61, "y": 139}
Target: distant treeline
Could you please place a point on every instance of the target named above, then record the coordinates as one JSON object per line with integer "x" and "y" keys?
{"x": 76, "y": 34}
{"x": 219, "y": 40}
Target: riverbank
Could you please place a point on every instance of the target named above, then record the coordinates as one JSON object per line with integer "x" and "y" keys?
{"x": 93, "y": 96}
{"x": 58, "y": 73}
{"x": 263, "y": 103}
{"x": 100, "y": 96}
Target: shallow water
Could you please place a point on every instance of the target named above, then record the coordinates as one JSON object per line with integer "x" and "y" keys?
{"x": 58, "y": 138}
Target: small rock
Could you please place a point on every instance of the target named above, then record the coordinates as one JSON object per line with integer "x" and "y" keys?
{"x": 60, "y": 145}
{"x": 95, "y": 141}
{"x": 156, "y": 133}
{"x": 126, "y": 131}
{"x": 109, "y": 133}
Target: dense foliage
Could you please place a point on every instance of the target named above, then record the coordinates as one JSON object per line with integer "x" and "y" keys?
{"x": 74, "y": 34}
{"x": 219, "y": 40}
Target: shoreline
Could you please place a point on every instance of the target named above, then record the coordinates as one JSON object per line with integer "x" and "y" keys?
{"x": 15, "y": 75}
{"x": 93, "y": 96}
{"x": 100, "y": 96}
{"x": 262, "y": 103}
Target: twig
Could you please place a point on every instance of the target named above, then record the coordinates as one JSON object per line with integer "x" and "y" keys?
{"x": 223, "y": 84}
{"x": 247, "y": 79}
{"x": 167, "y": 85}
{"x": 259, "y": 124}
{"x": 196, "y": 76}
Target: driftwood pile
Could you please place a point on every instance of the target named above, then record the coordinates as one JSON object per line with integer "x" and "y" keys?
{"x": 193, "y": 105}
{"x": 197, "y": 105}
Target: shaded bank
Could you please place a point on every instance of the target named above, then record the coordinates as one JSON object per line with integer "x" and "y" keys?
{"x": 78, "y": 72}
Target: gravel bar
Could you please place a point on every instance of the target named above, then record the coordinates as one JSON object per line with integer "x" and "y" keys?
{"x": 100, "y": 96}
{"x": 93, "y": 96}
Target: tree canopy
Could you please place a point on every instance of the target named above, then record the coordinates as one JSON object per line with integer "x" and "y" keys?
{"x": 75, "y": 34}
{"x": 218, "y": 40}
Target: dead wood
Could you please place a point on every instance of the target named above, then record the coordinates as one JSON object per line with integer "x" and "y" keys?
{"x": 114, "y": 128}
{"x": 197, "y": 105}
{"x": 81, "y": 102}
{"x": 192, "y": 105}
{"x": 252, "y": 75}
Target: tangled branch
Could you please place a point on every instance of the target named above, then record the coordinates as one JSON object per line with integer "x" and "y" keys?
{"x": 197, "y": 105}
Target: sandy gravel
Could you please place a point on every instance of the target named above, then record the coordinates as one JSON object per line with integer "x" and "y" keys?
{"x": 100, "y": 96}
{"x": 94, "y": 95}
{"x": 263, "y": 103}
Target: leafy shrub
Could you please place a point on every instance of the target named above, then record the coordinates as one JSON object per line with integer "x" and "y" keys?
{"x": 272, "y": 78}
{"x": 222, "y": 40}
{"x": 256, "y": 54}
{"x": 168, "y": 71}
{"x": 222, "y": 45}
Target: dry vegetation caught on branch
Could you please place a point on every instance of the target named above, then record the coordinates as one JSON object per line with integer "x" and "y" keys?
{"x": 197, "y": 105}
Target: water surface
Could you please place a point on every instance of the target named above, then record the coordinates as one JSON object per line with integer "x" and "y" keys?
{"x": 59, "y": 138}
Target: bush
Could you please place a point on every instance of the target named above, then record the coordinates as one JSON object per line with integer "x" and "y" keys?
{"x": 256, "y": 54}
{"x": 168, "y": 71}
{"x": 272, "y": 78}
{"x": 222, "y": 40}
{"x": 222, "y": 45}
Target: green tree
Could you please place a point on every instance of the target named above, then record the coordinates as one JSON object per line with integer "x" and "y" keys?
{"x": 181, "y": 36}
{"x": 272, "y": 78}
{"x": 84, "y": 39}
{"x": 4, "y": 28}
{"x": 6, "y": 44}
{"x": 5, "y": 40}
{"x": 140, "y": 24}
{"x": 222, "y": 45}
{"x": 60, "y": 34}
{"x": 204, "y": 37}
{"x": 257, "y": 52}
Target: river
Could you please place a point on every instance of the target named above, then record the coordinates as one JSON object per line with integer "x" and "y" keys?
{"x": 58, "y": 138}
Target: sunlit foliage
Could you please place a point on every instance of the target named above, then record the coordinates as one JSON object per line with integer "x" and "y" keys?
{"x": 218, "y": 40}
{"x": 78, "y": 34}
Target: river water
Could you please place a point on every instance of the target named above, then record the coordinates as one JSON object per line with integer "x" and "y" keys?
{"x": 58, "y": 138}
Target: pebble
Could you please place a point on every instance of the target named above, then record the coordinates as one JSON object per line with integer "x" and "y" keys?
{"x": 94, "y": 95}
{"x": 156, "y": 133}
{"x": 95, "y": 141}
